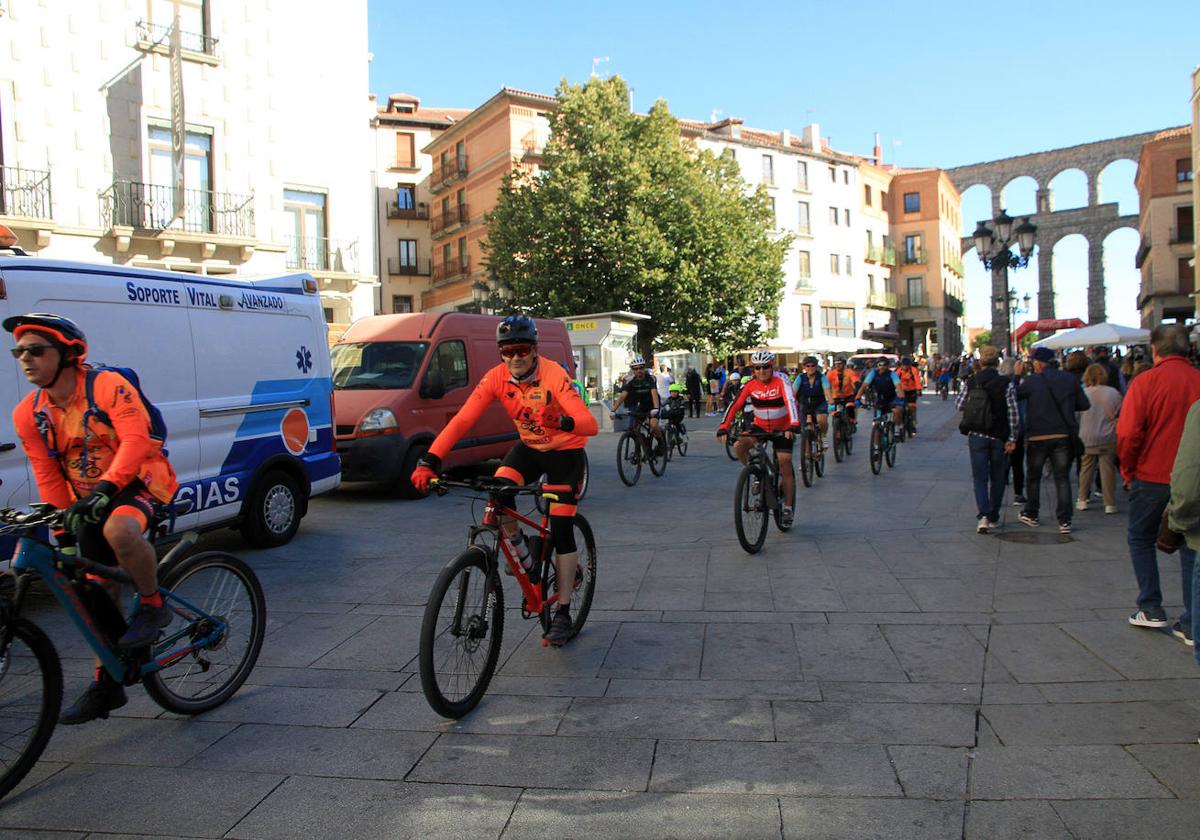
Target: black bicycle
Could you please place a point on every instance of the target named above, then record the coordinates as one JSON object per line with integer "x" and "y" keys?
{"x": 758, "y": 494}
{"x": 883, "y": 441}
{"x": 842, "y": 431}
{"x": 639, "y": 444}
{"x": 812, "y": 453}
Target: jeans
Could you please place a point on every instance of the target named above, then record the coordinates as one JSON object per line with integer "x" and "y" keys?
{"x": 1017, "y": 462}
{"x": 1147, "y": 501}
{"x": 1058, "y": 452}
{"x": 989, "y": 463}
{"x": 1196, "y": 614}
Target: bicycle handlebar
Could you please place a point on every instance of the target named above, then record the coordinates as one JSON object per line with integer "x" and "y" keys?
{"x": 489, "y": 484}
{"x": 12, "y": 519}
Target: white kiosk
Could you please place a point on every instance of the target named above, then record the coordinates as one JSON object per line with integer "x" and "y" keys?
{"x": 603, "y": 343}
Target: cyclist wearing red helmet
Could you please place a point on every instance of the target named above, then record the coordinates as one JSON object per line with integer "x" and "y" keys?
{"x": 554, "y": 425}
{"x": 103, "y": 467}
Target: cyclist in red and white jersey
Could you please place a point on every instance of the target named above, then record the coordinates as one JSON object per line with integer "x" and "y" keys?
{"x": 774, "y": 404}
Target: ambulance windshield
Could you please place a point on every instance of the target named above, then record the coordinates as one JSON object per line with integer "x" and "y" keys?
{"x": 381, "y": 365}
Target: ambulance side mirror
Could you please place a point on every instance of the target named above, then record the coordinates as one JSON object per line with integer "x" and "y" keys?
{"x": 433, "y": 386}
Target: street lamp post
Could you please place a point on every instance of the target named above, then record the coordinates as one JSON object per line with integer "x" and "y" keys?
{"x": 1011, "y": 306}
{"x": 995, "y": 253}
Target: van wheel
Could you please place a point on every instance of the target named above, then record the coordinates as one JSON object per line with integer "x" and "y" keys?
{"x": 273, "y": 515}
{"x": 403, "y": 484}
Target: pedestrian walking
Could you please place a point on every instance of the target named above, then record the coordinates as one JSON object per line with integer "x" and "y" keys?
{"x": 1181, "y": 526}
{"x": 1098, "y": 430}
{"x": 691, "y": 381}
{"x": 1148, "y": 434}
{"x": 1014, "y": 369}
{"x": 1052, "y": 397}
{"x": 989, "y": 405}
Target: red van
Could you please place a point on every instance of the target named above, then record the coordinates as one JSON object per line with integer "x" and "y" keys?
{"x": 397, "y": 380}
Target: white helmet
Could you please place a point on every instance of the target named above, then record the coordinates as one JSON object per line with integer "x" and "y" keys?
{"x": 637, "y": 360}
{"x": 762, "y": 357}
{"x": 735, "y": 376}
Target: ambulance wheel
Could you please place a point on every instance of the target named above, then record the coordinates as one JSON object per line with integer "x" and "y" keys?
{"x": 273, "y": 515}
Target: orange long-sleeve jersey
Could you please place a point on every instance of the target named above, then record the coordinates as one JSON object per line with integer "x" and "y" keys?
{"x": 523, "y": 401}
{"x": 910, "y": 378}
{"x": 119, "y": 453}
{"x": 843, "y": 383}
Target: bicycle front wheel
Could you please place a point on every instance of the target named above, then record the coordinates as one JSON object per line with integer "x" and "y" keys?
{"x": 461, "y": 634}
{"x": 30, "y": 698}
{"x": 216, "y": 596}
{"x": 818, "y": 455}
{"x": 779, "y": 496}
{"x": 629, "y": 458}
{"x": 585, "y": 579}
{"x": 889, "y": 450}
{"x": 806, "y": 461}
{"x": 876, "y": 449}
{"x": 839, "y": 440}
{"x": 750, "y": 512}
{"x": 658, "y": 453}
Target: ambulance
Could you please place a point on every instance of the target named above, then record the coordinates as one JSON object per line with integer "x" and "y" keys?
{"x": 239, "y": 368}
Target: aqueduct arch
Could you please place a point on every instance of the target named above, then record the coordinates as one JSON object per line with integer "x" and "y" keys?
{"x": 1094, "y": 222}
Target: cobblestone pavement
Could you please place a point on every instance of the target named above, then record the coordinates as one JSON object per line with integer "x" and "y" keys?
{"x": 881, "y": 671}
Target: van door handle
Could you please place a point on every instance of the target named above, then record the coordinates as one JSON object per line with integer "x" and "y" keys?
{"x": 7, "y": 447}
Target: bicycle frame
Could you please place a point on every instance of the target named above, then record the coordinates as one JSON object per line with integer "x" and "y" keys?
{"x": 34, "y": 556}
{"x": 492, "y": 512}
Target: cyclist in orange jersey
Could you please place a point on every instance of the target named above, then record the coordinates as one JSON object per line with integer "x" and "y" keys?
{"x": 910, "y": 378}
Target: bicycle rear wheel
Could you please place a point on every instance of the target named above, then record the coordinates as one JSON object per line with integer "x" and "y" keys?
{"x": 202, "y": 590}
{"x": 818, "y": 456}
{"x": 461, "y": 634}
{"x": 839, "y": 440}
{"x": 669, "y": 437}
{"x": 585, "y": 579}
{"x": 876, "y": 449}
{"x": 30, "y": 698}
{"x": 806, "y": 462}
{"x": 681, "y": 443}
{"x": 750, "y": 514}
{"x": 889, "y": 450}
{"x": 629, "y": 458}
{"x": 730, "y": 440}
{"x": 778, "y": 511}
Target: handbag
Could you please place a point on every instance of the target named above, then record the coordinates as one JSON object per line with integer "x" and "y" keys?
{"x": 1077, "y": 447}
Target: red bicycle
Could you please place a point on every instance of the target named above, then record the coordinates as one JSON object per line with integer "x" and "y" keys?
{"x": 464, "y": 618}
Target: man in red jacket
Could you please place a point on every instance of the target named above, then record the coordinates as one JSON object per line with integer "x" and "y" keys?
{"x": 1148, "y": 434}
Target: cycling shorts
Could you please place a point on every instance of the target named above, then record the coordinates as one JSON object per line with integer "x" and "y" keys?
{"x": 134, "y": 501}
{"x": 817, "y": 408}
{"x": 911, "y": 397}
{"x": 781, "y": 443}
{"x": 562, "y": 467}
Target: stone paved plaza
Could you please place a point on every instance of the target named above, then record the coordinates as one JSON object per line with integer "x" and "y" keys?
{"x": 881, "y": 671}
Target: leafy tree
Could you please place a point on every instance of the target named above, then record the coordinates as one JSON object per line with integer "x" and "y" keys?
{"x": 625, "y": 215}
{"x": 981, "y": 339}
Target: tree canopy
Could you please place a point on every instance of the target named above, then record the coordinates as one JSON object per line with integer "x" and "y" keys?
{"x": 625, "y": 214}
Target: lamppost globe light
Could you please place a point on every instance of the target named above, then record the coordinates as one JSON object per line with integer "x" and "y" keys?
{"x": 983, "y": 240}
{"x": 1026, "y": 233}
{"x": 1004, "y": 224}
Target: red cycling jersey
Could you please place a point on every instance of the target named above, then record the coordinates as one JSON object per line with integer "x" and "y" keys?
{"x": 773, "y": 402}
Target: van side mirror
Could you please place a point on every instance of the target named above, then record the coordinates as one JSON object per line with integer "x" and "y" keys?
{"x": 433, "y": 386}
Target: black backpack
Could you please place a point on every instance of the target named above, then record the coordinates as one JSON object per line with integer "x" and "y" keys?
{"x": 977, "y": 410}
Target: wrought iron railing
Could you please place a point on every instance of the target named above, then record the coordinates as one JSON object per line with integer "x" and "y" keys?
{"x": 319, "y": 253}
{"x": 455, "y": 167}
{"x": 451, "y": 270}
{"x": 955, "y": 264}
{"x": 154, "y": 34}
{"x": 456, "y": 215}
{"x": 914, "y": 257}
{"x": 1182, "y": 235}
{"x": 24, "y": 192}
{"x": 395, "y": 211}
{"x": 954, "y": 304}
{"x": 152, "y": 207}
{"x": 420, "y": 268}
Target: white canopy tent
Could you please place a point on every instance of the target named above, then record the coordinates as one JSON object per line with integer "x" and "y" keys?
{"x": 1089, "y": 336}
{"x": 836, "y": 344}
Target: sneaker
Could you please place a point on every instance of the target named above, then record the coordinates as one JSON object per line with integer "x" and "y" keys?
{"x": 981, "y": 527}
{"x": 1064, "y": 527}
{"x": 1110, "y": 509}
{"x": 785, "y": 517}
{"x": 561, "y": 629}
{"x": 1156, "y": 618}
{"x": 1081, "y": 504}
{"x": 993, "y": 523}
{"x": 100, "y": 698}
{"x": 147, "y": 623}
{"x": 1031, "y": 521}
{"x": 1019, "y": 500}
{"x": 1183, "y": 634}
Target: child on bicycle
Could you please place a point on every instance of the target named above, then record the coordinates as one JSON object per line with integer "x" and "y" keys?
{"x": 109, "y": 474}
{"x": 675, "y": 408}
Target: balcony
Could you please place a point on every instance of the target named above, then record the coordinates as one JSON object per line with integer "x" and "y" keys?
{"x": 24, "y": 192}
{"x": 420, "y": 268}
{"x": 449, "y": 221}
{"x": 805, "y": 284}
{"x": 1182, "y": 236}
{"x": 955, "y": 264}
{"x": 888, "y": 256}
{"x": 874, "y": 254}
{"x": 418, "y": 213}
{"x": 151, "y": 207}
{"x": 916, "y": 256}
{"x": 158, "y": 38}
{"x": 881, "y": 300}
{"x": 321, "y": 255}
{"x": 451, "y": 271}
{"x": 954, "y": 304}
{"x": 453, "y": 171}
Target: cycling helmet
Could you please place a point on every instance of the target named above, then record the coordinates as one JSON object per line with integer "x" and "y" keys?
{"x": 762, "y": 357}
{"x": 637, "y": 361}
{"x": 64, "y": 332}
{"x": 735, "y": 376}
{"x": 516, "y": 329}
{"x": 839, "y": 360}
{"x": 675, "y": 388}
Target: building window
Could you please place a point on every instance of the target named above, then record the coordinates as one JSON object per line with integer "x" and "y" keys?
{"x": 833, "y": 216}
{"x": 197, "y": 175}
{"x": 462, "y": 253}
{"x": 882, "y": 200}
{"x": 803, "y": 223}
{"x": 846, "y": 217}
{"x": 402, "y": 303}
{"x": 193, "y": 22}
{"x": 912, "y": 249}
{"x": 838, "y": 321}
{"x": 846, "y": 262}
{"x": 447, "y": 256}
{"x": 870, "y": 240}
{"x": 729, "y": 152}
{"x": 406, "y": 151}
{"x": 806, "y": 320}
{"x": 835, "y": 264}
{"x": 1187, "y": 276}
{"x": 833, "y": 174}
{"x": 460, "y": 155}
{"x": 1183, "y": 224}
{"x": 1183, "y": 169}
{"x": 867, "y": 194}
{"x": 408, "y": 253}
{"x": 406, "y": 197}
{"x": 912, "y": 202}
{"x": 328, "y": 310}
{"x": 845, "y": 176}
{"x": 805, "y": 264}
{"x": 801, "y": 175}
{"x": 768, "y": 171}
{"x": 916, "y": 291}
{"x": 307, "y": 246}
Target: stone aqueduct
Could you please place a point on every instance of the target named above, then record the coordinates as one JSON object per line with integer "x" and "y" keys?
{"x": 1094, "y": 221}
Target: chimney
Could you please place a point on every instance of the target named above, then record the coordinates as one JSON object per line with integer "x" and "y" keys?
{"x": 812, "y": 137}
{"x": 786, "y": 139}
{"x": 878, "y": 151}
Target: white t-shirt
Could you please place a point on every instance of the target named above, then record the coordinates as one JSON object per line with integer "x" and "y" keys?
{"x": 663, "y": 381}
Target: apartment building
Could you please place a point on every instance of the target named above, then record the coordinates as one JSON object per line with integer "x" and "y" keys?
{"x": 469, "y": 161}
{"x": 404, "y": 202}
{"x": 879, "y": 253}
{"x": 1167, "y": 223}
{"x": 270, "y": 123}
{"x": 925, "y": 213}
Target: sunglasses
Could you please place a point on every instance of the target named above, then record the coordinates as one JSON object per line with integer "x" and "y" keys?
{"x": 763, "y": 367}
{"x": 516, "y": 351}
{"x": 35, "y": 350}
{"x": 810, "y": 365}
{"x": 637, "y": 368}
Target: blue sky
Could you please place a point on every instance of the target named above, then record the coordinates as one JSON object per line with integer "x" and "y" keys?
{"x": 944, "y": 83}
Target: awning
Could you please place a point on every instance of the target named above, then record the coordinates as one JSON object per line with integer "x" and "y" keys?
{"x": 881, "y": 335}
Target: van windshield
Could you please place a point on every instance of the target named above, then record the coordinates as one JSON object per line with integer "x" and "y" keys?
{"x": 382, "y": 365}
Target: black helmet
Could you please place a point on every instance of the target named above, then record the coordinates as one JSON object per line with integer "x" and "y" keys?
{"x": 883, "y": 360}
{"x": 907, "y": 360}
{"x": 63, "y": 331}
{"x": 516, "y": 328}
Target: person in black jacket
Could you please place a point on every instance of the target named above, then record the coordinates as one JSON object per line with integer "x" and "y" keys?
{"x": 692, "y": 383}
{"x": 991, "y": 446}
{"x": 1051, "y": 397}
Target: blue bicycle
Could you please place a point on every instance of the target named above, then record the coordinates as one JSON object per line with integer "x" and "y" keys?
{"x": 201, "y": 658}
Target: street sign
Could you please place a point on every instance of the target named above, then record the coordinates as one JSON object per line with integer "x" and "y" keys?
{"x": 178, "y": 122}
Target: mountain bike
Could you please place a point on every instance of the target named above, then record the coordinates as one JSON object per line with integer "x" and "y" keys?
{"x": 943, "y": 388}
{"x": 812, "y": 455}
{"x": 677, "y": 438}
{"x": 637, "y": 445}
{"x": 758, "y": 494}
{"x": 908, "y": 426}
{"x": 463, "y": 624}
{"x": 842, "y": 432}
{"x": 197, "y": 663}
{"x": 883, "y": 441}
